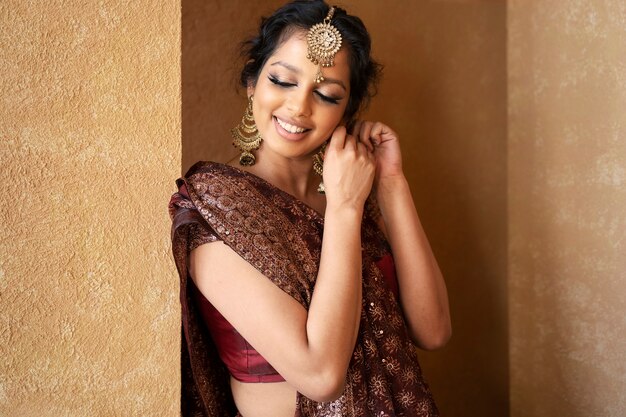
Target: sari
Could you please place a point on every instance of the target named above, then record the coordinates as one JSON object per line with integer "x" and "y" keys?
{"x": 282, "y": 237}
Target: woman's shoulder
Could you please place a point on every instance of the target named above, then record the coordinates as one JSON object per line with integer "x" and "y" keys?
{"x": 208, "y": 167}
{"x": 208, "y": 171}
{"x": 218, "y": 179}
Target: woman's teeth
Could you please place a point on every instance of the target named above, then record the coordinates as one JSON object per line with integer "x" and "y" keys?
{"x": 290, "y": 128}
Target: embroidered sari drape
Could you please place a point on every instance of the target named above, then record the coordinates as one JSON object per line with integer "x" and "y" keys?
{"x": 281, "y": 237}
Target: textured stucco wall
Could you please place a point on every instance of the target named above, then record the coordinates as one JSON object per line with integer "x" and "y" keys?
{"x": 567, "y": 207}
{"x": 444, "y": 91}
{"x": 90, "y": 144}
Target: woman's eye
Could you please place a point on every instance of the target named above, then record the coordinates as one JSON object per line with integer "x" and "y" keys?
{"x": 327, "y": 99}
{"x": 280, "y": 83}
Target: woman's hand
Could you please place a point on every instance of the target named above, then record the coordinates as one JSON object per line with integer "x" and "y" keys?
{"x": 384, "y": 144}
{"x": 423, "y": 294}
{"x": 349, "y": 169}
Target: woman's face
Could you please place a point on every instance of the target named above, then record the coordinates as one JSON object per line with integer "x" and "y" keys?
{"x": 293, "y": 114}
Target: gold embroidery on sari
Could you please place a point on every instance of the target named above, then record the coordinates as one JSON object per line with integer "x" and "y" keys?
{"x": 281, "y": 237}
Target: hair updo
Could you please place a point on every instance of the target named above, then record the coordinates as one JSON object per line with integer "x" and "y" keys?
{"x": 301, "y": 15}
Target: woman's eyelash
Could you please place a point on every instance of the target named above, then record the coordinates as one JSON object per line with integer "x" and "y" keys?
{"x": 327, "y": 99}
{"x": 279, "y": 83}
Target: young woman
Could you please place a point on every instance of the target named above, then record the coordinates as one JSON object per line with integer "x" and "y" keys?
{"x": 305, "y": 295}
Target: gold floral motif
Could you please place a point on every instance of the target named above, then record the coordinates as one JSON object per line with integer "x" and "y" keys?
{"x": 377, "y": 312}
{"x": 405, "y": 398}
{"x": 409, "y": 376}
{"x": 324, "y": 40}
{"x": 392, "y": 365}
{"x": 379, "y": 385}
{"x": 392, "y": 343}
{"x": 370, "y": 347}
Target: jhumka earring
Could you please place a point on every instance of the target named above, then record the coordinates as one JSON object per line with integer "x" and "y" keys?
{"x": 318, "y": 167}
{"x": 246, "y": 137}
{"x": 324, "y": 40}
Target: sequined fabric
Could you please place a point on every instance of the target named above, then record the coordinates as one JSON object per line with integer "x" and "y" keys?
{"x": 281, "y": 237}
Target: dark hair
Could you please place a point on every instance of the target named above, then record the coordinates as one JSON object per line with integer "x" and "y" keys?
{"x": 302, "y": 14}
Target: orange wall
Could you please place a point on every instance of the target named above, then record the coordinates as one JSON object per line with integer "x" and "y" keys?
{"x": 444, "y": 91}
{"x": 89, "y": 148}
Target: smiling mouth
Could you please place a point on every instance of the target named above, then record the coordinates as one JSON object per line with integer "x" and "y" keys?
{"x": 289, "y": 127}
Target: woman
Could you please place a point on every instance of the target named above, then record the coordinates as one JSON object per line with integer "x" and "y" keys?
{"x": 306, "y": 297}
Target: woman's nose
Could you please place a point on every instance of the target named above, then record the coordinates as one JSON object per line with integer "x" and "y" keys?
{"x": 299, "y": 105}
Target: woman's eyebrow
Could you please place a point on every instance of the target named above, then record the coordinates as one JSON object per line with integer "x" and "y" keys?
{"x": 334, "y": 81}
{"x": 298, "y": 71}
{"x": 288, "y": 66}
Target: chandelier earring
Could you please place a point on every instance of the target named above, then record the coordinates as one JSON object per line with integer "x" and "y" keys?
{"x": 246, "y": 137}
{"x": 318, "y": 167}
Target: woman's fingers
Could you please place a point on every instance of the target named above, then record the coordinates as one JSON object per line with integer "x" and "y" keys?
{"x": 356, "y": 128}
{"x": 358, "y": 139}
{"x": 364, "y": 134}
{"x": 338, "y": 138}
{"x": 361, "y": 149}
{"x": 363, "y": 130}
{"x": 377, "y": 132}
{"x": 349, "y": 168}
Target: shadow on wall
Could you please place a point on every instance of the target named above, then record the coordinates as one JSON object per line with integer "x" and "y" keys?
{"x": 444, "y": 92}
{"x": 212, "y": 101}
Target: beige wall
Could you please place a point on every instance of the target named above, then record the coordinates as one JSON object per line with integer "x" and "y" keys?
{"x": 444, "y": 91}
{"x": 89, "y": 147}
{"x": 567, "y": 207}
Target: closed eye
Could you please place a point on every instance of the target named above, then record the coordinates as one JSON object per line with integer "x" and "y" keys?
{"x": 327, "y": 99}
{"x": 276, "y": 81}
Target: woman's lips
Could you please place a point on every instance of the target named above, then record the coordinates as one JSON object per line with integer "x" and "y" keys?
{"x": 287, "y": 134}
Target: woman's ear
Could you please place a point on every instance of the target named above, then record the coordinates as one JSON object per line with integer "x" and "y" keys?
{"x": 250, "y": 90}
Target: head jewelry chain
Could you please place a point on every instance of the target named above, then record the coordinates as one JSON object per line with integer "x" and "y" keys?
{"x": 324, "y": 40}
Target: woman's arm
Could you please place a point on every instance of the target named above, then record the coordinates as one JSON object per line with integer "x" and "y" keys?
{"x": 310, "y": 349}
{"x": 423, "y": 294}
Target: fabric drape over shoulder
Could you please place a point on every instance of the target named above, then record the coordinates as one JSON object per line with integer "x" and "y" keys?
{"x": 281, "y": 237}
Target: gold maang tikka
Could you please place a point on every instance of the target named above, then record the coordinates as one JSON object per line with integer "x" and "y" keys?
{"x": 246, "y": 137}
{"x": 324, "y": 40}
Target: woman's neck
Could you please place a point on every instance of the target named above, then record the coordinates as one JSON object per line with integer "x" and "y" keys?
{"x": 294, "y": 176}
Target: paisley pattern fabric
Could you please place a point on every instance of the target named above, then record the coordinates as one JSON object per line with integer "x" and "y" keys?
{"x": 281, "y": 237}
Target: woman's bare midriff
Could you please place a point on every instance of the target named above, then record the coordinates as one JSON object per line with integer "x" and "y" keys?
{"x": 269, "y": 399}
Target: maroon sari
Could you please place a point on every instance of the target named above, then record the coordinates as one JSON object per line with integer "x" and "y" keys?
{"x": 281, "y": 237}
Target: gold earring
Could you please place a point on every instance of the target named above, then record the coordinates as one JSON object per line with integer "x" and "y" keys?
{"x": 318, "y": 167}
{"x": 246, "y": 137}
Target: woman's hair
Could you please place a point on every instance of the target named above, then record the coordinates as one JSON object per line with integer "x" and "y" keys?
{"x": 301, "y": 15}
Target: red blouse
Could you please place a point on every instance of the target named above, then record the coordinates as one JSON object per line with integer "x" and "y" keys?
{"x": 244, "y": 363}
